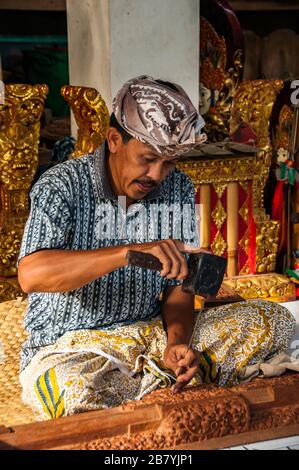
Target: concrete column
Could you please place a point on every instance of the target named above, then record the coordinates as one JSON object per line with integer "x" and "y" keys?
{"x": 158, "y": 38}
{"x": 112, "y": 41}
{"x": 88, "y": 27}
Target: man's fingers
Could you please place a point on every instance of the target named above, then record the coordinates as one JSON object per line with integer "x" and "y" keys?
{"x": 181, "y": 352}
{"x": 183, "y": 361}
{"x": 175, "y": 261}
{"x": 184, "y": 268}
{"x": 166, "y": 261}
{"x": 170, "y": 254}
{"x": 174, "y": 356}
{"x": 180, "y": 268}
{"x": 179, "y": 371}
{"x": 187, "y": 366}
{"x": 187, "y": 374}
{"x": 188, "y": 358}
{"x": 194, "y": 249}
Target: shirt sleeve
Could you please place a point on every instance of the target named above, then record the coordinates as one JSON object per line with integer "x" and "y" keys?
{"x": 49, "y": 222}
{"x": 189, "y": 219}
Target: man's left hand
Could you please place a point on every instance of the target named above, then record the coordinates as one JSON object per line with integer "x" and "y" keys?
{"x": 182, "y": 360}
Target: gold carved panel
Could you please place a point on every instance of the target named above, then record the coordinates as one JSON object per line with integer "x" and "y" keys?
{"x": 91, "y": 115}
{"x": 19, "y": 138}
{"x": 242, "y": 168}
{"x": 253, "y": 104}
{"x": 218, "y": 81}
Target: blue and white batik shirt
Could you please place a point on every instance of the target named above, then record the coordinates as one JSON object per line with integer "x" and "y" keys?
{"x": 74, "y": 208}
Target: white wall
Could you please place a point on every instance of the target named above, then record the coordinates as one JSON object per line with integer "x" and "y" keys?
{"x": 158, "y": 38}
{"x": 88, "y": 23}
{"x": 111, "y": 41}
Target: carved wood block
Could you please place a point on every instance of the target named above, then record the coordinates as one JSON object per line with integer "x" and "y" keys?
{"x": 199, "y": 417}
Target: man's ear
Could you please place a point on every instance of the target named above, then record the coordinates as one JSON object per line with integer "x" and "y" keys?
{"x": 114, "y": 140}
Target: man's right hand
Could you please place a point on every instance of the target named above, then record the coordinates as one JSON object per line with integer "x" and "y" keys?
{"x": 170, "y": 254}
{"x": 58, "y": 270}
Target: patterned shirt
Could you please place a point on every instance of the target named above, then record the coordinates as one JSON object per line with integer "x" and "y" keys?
{"x": 73, "y": 207}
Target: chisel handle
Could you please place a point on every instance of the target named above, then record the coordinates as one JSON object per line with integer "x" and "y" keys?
{"x": 144, "y": 260}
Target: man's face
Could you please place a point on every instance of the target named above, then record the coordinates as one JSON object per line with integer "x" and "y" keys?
{"x": 136, "y": 168}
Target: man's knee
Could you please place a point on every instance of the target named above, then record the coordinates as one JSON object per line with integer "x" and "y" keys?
{"x": 43, "y": 394}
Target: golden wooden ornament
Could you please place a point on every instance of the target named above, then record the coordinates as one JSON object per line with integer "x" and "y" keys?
{"x": 218, "y": 78}
{"x": 91, "y": 115}
{"x": 19, "y": 138}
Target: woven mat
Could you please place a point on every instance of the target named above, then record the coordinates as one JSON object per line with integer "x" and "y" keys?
{"x": 12, "y": 336}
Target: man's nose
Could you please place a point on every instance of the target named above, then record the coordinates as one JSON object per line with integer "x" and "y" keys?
{"x": 155, "y": 172}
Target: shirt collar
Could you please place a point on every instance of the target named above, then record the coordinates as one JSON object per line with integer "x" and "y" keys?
{"x": 104, "y": 188}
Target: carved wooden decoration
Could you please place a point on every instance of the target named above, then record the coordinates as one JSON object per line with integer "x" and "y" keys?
{"x": 199, "y": 417}
{"x": 19, "y": 137}
{"x": 91, "y": 114}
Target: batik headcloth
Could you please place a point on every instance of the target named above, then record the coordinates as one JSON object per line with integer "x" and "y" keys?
{"x": 160, "y": 114}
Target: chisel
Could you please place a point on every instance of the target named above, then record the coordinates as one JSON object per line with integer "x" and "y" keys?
{"x": 178, "y": 386}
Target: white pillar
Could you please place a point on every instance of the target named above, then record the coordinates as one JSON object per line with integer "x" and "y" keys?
{"x": 112, "y": 41}
{"x": 88, "y": 26}
{"x": 158, "y": 38}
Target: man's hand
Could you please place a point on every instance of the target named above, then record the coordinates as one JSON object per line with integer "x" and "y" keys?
{"x": 170, "y": 254}
{"x": 182, "y": 360}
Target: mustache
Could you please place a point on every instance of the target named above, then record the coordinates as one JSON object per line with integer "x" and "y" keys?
{"x": 148, "y": 182}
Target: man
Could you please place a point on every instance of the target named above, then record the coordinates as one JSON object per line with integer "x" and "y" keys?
{"x": 99, "y": 332}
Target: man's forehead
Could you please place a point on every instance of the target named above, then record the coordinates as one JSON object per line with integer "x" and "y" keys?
{"x": 154, "y": 152}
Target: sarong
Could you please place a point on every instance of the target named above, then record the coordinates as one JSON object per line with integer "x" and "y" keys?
{"x": 95, "y": 369}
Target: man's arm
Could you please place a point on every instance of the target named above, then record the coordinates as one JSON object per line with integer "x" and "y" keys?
{"x": 58, "y": 270}
{"x": 178, "y": 315}
{"x": 52, "y": 270}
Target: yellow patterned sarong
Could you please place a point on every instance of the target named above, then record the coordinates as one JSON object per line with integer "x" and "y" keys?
{"x": 92, "y": 369}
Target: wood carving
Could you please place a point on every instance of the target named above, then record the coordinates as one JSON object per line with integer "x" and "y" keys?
{"x": 20, "y": 116}
{"x": 164, "y": 421}
{"x": 188, "y": 423}
{"x": 218, "y": 81}
{"x": 91, "y": 114}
